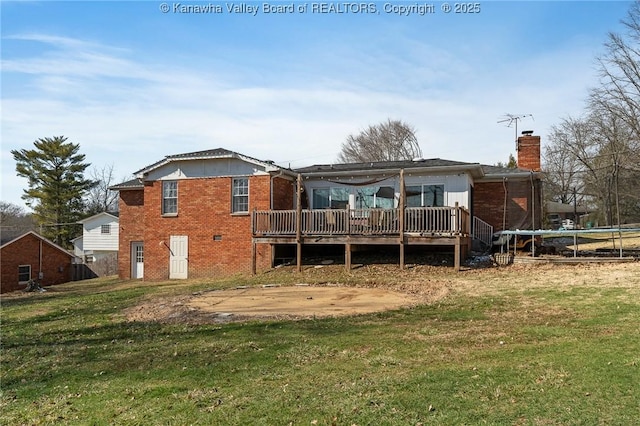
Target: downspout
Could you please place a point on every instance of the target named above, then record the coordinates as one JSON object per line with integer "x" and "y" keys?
{"x": 280, "y": 173}
{"x": 533, "y": 216}
{"x": 401, "y": 216}
{"x": 504, "y": 212}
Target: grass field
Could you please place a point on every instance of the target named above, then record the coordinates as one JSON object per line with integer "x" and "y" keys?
{"x": 531, "y": 345}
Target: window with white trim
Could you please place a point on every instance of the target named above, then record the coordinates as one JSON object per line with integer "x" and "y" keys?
{"x": 170, "y": 197}
{"x": 24, "y": 273}
{"x": 105, "y": 229}
{"x": 139, "y": 253}
{"x": 240, "y": 195}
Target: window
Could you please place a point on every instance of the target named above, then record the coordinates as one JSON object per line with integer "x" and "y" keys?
{"x": 425, "y": 196}
{"x": 240, "y": 195}
{"x": 375, "y": 197}
{"x": 433, "y": 195}
{"x": 170, "y": 197}
{"x": 321, "y": 198}
{"x": 24, "y": 273}
{"x": 139, "y": 253}
{"x": 105, "y": 229}
{"x": 335, "y": 198}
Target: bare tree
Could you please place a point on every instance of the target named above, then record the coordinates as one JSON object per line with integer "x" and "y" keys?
{"x": 100, "y": 198}
{"x": 591, "y": 155}
{"x": 599, "y": 154}
{"x": 570, "y": 165}
{"x": 618, "y": 157}
{"x": 14, "y": 221}
{"x": 562, "y": 169}
{"x": 619, "y": 89}
{"x": 389, "y": 141}
{"x": 615, "y": 110}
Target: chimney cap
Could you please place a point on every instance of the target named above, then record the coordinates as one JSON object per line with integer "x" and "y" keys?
{"x": 527, "y": 132}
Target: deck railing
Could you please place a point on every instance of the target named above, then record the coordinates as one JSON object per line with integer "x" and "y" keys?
{"x": 435, "y": 220}
{"x": 417, "y": 220}
{"x": 482, "y": 231}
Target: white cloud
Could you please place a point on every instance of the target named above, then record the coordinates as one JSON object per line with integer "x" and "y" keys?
{"x": 131, "y": 113}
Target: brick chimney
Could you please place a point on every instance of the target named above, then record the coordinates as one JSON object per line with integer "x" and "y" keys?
{"x": 529, "y": 151}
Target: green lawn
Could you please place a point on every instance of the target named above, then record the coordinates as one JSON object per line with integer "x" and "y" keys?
{"x": 519, "y": 345}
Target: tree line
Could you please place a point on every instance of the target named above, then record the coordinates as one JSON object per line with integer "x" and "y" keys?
{"x": 594, "y": 158}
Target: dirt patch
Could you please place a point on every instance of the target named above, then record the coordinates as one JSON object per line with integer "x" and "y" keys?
{"x": 290, "y": 302}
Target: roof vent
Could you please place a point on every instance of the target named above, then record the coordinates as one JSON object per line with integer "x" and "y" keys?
{"x": 417, "y": 159}
{"x": 527, "y": 132}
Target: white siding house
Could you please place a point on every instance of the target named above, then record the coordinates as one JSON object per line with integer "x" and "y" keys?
{"x": 98, "y": 246}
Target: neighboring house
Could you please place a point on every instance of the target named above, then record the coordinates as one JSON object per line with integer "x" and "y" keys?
{"x": 32, "y": 256}
{"x": 219, "y": 212}
{"x": 558, "y": 212}
{"x": 98, "y": 245}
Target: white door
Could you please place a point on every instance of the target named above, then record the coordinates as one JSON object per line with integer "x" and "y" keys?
{"x": 178, "y": 257}
{"x": 137, "y": 260}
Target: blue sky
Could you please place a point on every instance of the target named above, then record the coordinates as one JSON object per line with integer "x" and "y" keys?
{"x": 132, "y": 84}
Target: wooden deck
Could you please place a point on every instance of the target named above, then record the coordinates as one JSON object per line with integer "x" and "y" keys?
{"x": 439, "y": 226}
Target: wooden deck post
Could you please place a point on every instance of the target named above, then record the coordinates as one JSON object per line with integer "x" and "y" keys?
{"x": 253, "y": 242}
{"x": 347, "y": 245}
{"x": 299, "y": 224}
{"x": 347, "y": 256}
{"x": 457, "y": 255}
{"x": 401, "y": 208}
{"x": 253, "y": 257}
{"x": 456, "y": 215}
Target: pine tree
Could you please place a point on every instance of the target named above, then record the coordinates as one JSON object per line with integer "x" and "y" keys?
{"x": 56, "y": 185}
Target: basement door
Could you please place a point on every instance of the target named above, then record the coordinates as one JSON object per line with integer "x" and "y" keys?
{"x": 137, "y": 260}
{"x": 178, "y": 258}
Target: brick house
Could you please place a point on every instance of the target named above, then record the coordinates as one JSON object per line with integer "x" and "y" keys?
{"x": 218, "y": 212}
{"x": 32, "y": 256}
{"x": 512, "y": 198}
{"x": 188, "y": 215}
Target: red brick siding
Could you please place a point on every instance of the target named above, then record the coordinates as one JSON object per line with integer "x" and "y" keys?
{"x": 56, "y": 265}
{"x": 489, "y": 201}
{"x": 204, "y": 211}
{"x": 131, "y": 205}
{"x": 529, "y": 153}
{"x": 283, "y": 194}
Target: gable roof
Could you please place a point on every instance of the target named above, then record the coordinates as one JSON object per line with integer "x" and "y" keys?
{"x": 128, "y": 185}
{"x": 113, "y": 215}
{"x": 424, "y": 165}
{"x": 499, "y": 173}
{"x": 218, "y": 153}
{"x": 40, "y": 237}
{"x": 557, "y": 207}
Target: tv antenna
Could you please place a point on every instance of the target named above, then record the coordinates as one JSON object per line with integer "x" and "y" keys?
{"x": 514, "y": 118}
